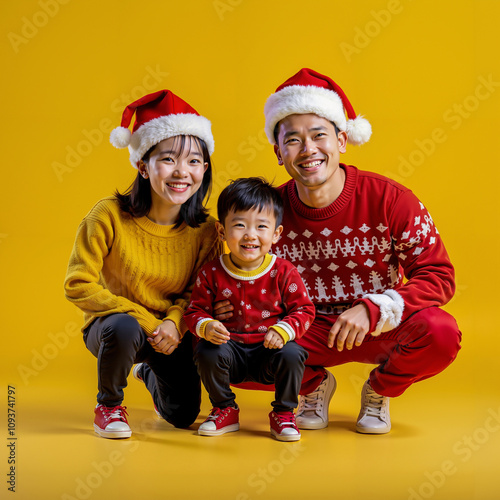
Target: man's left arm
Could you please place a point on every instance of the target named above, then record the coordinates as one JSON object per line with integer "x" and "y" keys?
{"x": 427, "y": 269}
{"x": 429, "y": 274}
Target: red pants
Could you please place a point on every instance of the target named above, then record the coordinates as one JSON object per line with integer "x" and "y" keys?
{"x": 421, "y": 347}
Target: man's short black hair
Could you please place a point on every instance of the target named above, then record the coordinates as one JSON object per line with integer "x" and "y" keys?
{"x": 277, "y": 127}
{"x": 247, "y": 193}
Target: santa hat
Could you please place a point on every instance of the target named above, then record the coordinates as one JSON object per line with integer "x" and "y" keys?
{"x": 159, "y": 116}
{"x": 311, "y": 92}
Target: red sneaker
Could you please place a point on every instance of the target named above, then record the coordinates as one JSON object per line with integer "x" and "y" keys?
{"x": 220, "y": 421}
{"x": 111, "y": 422}
{"x": 283, "y": 426}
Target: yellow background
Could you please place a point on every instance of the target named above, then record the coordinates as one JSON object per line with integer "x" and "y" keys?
{"x": 427, "y": 76}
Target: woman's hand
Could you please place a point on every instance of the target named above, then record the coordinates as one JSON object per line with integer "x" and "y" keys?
{"x": 223, "y": 310}
{"x": 165, "y": 338}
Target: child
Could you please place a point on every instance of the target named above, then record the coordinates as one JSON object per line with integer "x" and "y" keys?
{"x": 257, "y": 343}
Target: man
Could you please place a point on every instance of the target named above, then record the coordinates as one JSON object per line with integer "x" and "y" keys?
{"x": 353, "y": 235}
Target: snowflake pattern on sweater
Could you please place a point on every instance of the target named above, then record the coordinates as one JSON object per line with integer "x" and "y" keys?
{"x": 272, "y": 296}
{"x": 361, "y": 246}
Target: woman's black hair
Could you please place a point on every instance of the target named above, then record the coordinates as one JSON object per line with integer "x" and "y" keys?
{"x": 248, "y": 193}
{"x": 137, "y": 201}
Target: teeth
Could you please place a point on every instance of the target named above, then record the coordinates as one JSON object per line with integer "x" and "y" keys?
{"x": 178, "y": 186}
{"x": 312, "y": 164}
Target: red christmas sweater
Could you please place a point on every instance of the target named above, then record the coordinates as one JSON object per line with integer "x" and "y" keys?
{"x": 272, "y": 296}
{"x": 360, "y": 247}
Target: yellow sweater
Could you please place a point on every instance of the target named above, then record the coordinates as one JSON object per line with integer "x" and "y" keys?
{"x": 124, "y": 264}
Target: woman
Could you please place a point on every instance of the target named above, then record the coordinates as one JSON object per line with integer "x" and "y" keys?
{"x": 136, "y": 257}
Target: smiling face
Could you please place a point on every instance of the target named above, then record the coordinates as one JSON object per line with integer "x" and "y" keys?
{"x": 175, "y": 173}
{"x": 309, "y": 148}
{"x": 249, "y": 235}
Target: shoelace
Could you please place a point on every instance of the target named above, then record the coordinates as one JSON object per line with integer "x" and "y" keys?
{"x": 314, "y": 400}
{"x": 116, "y": 412}
{"x": 218, "y": 414}
{"x": 285, "y": 419}
{"x": 374, "y": 404}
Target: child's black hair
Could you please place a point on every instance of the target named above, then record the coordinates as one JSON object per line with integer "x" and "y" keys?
{"x": 247, "y": 193}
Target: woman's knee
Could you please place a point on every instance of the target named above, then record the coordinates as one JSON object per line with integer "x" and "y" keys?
{"x": 181, "y": 410}
{"x": 185, "y": 418}
{"x": 120, "y": 328}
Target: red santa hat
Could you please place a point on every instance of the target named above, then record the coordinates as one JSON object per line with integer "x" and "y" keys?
{"x": 311, "y": 92}
{"x": 159, "y": 116}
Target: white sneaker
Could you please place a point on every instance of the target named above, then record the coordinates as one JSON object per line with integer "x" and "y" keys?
{"x": 312, "y": 412}
{"x": 135, "y": 372}
{"x": 374, "y": 417}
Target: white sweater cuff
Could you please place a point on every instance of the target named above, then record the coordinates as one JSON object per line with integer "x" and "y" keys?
{"x": 391, "y": 306}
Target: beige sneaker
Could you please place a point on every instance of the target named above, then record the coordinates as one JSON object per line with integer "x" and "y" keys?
{"x": 374, "y": 417}
{"x": 312, "y": 412}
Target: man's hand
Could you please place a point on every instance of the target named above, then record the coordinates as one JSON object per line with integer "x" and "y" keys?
{"x": 273, "y": 340}
{"x": 223, "y": 310}
{"x": 165, "y": 338}
{"x": 216, "y": 333}
{"x": 351, "y": 328}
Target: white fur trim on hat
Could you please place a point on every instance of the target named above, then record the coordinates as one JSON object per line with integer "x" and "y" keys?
{"x": 154, "y": 131}
{"x": 303, "y": 99}
{"x": 391, "y": 306}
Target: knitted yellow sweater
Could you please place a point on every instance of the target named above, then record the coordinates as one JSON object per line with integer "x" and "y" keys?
{"x": 124, "y": 264}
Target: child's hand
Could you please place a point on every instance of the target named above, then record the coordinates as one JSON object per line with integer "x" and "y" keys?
{"x": 273, "y": 340}
{"x": 216, "y": 333}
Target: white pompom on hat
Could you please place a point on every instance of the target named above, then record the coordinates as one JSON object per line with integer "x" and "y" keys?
{"x": 159, "y": 116}
{"x": 311, "y": 92}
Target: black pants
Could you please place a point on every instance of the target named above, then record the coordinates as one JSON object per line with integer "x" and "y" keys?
{"x": 117, "y": 341}
{"x": 233, "y": 363}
